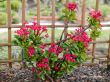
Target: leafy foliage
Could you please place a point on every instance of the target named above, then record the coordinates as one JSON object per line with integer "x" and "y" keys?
{"x": 55, "y": 59}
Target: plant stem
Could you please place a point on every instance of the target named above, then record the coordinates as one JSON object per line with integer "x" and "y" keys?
{"x": 74, "y": 35}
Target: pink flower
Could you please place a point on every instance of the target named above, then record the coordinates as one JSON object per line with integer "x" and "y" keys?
{"x": 69, "y": 57}
{"x": 35, "y": 27}
{"x": 43, "y": 65}
{"x": 59, "y": 50}
{"x": 72, "y": 6}
{"x": 95, "y": 14}
{"x": 23, "y": 32}
{"x": 82, "y": 37}
{"x": 44, "y": 28}
{"x": 34, "y": 23}
{"x": 52, "y": 48}
{"x": 31, "y": 51}
{"x": 45, "y": 60}
{"x": 55, "y": 49}
{"x": 42, "y": 46}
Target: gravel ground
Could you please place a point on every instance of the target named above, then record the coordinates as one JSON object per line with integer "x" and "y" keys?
{"x": 81, "y": 74}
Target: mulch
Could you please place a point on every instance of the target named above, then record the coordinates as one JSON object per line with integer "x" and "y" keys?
{"x": 81, "y": 74}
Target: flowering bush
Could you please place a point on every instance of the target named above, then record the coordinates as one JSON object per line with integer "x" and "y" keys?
{"x": 94, "y": 21}
{"x": 54, "y": 60}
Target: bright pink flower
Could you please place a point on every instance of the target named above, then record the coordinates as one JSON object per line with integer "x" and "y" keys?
{"x": 82, "y": 37}
{"x": 42, "y": 46}
{"x": 45, "y": 60}
{"x": 68, "y": 57}
{"x": 59, "y": 50}
{"x": 52, "y": 48}
{"x": 72, "y": 6}
{"x": 95, "y": 14}
{"x": 44, "y": 28}
{"x": 31, "y": 51}
{"x": 43, "y": 65}
{"x": 35, "y": 27}
{"x": 34, "y": 23}
{"x": 23, "y": 32}
{"x": 55, "y": 49}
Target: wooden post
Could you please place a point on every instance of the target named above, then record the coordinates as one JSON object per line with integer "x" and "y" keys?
{"x": 38, "y": 12}
{"x": 23, "y": 21}
{"x": 53, "y": 22}
{"x": 83, "y": 13}
{"x": 9, "y": 32}
{"x": 23, "y": 11}
{"x": 97, "y": 4}
{"x": 108, "y": 57}
{"x": 94, "y": 44}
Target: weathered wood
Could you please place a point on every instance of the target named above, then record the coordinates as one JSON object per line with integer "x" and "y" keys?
{"x": 53, "y": 22}
{"x": 83, "y": 12}
{"x": 97, "y": 4}
{"x": 9, "y": 31}
{"x": 12, "y": 61}
{"x": 23, "y": 11}
{"x": 38, "y": 11}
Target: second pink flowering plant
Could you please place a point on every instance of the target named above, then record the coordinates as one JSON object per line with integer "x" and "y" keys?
{"x": 52, "y": 61}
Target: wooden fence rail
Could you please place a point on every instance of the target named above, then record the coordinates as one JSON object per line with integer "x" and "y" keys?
{"x": 52, "y": 26}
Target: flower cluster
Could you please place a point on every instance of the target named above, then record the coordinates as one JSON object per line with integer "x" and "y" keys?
{"x": 94, "y": 21}
{"x": 95, "y": 14}
{"x": 70, "y": 57}
{"x": 43, "y": 64}
{"x": 31, "y": 51}
{"x": 69, "y": 12}
{"x": 55, "y": 49}
{"x": 72, "y": 6}
{"x": 23, "y": 32}
{"x": 82, "y": 37}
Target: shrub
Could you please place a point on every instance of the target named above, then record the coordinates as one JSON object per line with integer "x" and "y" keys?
{"x": 15, "y": 5}
{"x": 3, "y": 18}
{"x": 52, "y": 61}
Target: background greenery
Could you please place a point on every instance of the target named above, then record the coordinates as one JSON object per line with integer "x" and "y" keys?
{"x": 46, "y": 9}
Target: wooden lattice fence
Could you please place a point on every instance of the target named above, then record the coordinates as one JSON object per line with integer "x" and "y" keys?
{"x": 52, "y": 26}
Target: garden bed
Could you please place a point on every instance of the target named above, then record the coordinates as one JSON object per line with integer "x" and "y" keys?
{"x": 81, "y": 74}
